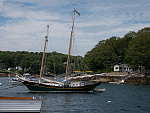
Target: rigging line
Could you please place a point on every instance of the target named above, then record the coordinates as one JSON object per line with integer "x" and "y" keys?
{"x": 43, "y": 32}
{"x": 36, "y": 39}
{"x": 49, "y": 25}
{"x": 46, "y": 54}
{"x": 29, "y": 49}
{"x": 36, "y": 59}
{"x": 75, "y": 50}
{"x": 53, "y": 63}
{"x": 40, "y": 43}
{"x": 38, "y": 55}
{"x": 34, "y": 50}
{"x": 52, "y": 52}
{"x": 32, "y": 63}
{"x": 74, "y": 41}
{"x": 75, "y": 46}
{"x": 58, "y": 19}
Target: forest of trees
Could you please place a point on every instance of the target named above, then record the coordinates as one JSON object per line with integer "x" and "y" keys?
{"x": 132, "y": 49}
{"x": 31, "y": 62}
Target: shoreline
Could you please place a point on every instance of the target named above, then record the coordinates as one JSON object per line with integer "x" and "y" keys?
{"x": 108, "y": 77}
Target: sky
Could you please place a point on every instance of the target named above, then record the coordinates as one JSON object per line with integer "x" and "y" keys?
{"x": 23, "y": 23}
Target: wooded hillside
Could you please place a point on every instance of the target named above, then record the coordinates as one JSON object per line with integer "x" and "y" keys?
{"x": 31, "y": 62}
{"x": 133, "y": 49}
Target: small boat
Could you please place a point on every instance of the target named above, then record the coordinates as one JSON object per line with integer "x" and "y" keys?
{"x": 0, "y": 84}
{"x": 20, "y": 104}
{"x": 26, "y": 74}
{"x": 15, "y": 81}
{"x": 99, "y": 90}
{"x": 122, "y": 82}
{"x": 114, "y": 82}
{"x": 54, "y": 78}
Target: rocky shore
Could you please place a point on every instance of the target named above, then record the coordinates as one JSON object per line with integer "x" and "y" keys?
{"x": 6, "y": 74}
{"x": 132, "y": 80}
{"x": 116, "y": 77}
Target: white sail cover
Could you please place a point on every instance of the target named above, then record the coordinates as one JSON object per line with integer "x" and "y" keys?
{"x": 51, "y": 81}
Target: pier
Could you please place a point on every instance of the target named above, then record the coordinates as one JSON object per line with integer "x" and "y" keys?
{"x": 20, "y": 104}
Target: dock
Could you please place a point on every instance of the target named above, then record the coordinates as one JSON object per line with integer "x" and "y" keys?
{"x": 20, "y": 104}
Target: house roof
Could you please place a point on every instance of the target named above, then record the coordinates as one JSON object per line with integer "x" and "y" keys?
{"x": 122, "y": 65}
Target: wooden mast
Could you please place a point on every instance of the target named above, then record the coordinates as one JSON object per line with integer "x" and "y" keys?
{"x": 68, "y": 55}
{"x": 70, "y": 42}
{"x": 44, "y": 53}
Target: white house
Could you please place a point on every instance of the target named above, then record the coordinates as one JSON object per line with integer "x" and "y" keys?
{"x": 10, "y": 68}
{"x": 18, "y": 68}
{"x": 122, "y": 68}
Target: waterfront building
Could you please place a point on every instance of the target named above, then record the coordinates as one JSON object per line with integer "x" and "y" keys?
{"x": 122, "y": 68}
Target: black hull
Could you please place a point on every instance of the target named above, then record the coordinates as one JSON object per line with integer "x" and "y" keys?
{"x": 39, "y": 87}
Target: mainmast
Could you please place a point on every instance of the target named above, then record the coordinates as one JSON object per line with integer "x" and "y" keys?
{"x": 70, "y": 42}
{"x": 46, "y": 39}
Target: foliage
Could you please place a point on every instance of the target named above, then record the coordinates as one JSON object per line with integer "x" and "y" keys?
{"x": 31, "y": 62}
{"x": 138, "y": 53}
{"x": 107, "y": 53}
{"x": 133, "y": 49}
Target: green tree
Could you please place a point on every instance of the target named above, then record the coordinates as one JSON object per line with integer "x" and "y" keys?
{"x": 108, "y": 52}
{"x": 138, "y": 53}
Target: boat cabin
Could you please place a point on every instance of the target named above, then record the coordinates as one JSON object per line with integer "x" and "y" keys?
{"x": 77, "y": 84}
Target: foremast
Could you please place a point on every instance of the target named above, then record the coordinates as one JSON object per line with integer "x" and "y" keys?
{"x": 46, "y": 39}
{"x": 70, "y": 43}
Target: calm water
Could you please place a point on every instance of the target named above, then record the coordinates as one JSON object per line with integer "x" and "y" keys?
{"x": 118, "y": 98}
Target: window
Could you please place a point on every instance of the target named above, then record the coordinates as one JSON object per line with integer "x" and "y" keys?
{"x": 82, "y": 84}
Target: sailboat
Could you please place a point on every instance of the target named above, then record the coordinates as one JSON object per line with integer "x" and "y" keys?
{"x": 49, "y": 85}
